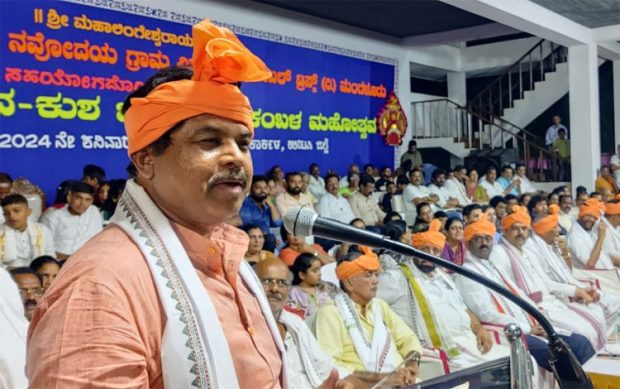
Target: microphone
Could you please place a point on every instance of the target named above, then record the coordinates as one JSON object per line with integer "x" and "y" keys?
{"x": 304, "y": 221}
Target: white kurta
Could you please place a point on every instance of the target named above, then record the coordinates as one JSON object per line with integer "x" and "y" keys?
{"x": 415, "y": 191}
{"x": 13, "y": 329}
{"x": 588, "y": 321}
{"x": 442, "y": 192}
{"x": 457, "y": 190}
{"x": 581, "y": 243}
{"x": 446, "y": 302}
{"x": 337, "y": 208}
{"x": 611, "y": 244}
{"x": 556, "y": 270}
{"x": 70, "y": 232}
{"x": 492, "y": 189}
{"x": 526, "y": 185}
{"x": 316, "y": 186}
{"x": 306, "y": 363}
{"x": 19, "y": 248}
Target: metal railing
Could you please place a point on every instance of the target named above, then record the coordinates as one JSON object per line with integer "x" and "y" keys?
{"x": 443, "y": 118}
{"x": 518, "y": 78}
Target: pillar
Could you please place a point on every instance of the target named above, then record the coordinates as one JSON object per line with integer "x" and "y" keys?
{"x": 584, "y": 131}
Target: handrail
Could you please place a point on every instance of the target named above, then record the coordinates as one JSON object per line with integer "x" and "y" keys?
{"x": 508, "y": 70}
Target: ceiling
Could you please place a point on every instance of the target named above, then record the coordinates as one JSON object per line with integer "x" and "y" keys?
{"x": 590, "y": 13}
{"x": 396, "y": 18}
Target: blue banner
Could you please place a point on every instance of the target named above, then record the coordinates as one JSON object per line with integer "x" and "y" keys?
{"x": 66, "y": 69}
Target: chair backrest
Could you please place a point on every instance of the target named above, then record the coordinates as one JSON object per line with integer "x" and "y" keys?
{"x": 397, "y": 203}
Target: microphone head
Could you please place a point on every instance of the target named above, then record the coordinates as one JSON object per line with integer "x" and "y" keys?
{"x": 299, "y": 221}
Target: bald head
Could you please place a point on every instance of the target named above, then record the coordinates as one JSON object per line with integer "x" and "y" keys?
{"x": 276, "y": 280}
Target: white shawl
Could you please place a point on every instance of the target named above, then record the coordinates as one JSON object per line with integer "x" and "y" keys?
{"x": 194, "y": 351}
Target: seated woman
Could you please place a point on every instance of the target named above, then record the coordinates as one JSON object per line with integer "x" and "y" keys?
{"x": 295, "y": 246}
{"x": 309, "y": 293}
{"x": 454, "y": 249}
{"x": 423, "y": 218}
{"x": 255, "y": 252}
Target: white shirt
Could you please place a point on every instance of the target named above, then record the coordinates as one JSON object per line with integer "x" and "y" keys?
{"x": 552, "y": 134}
{"x": 566, "y": 220}
{"x": 526, "y": 185}
{"x": 414, "y": 191}
{"x": 611, "y": 244}
{"x": 317, "y": 186}
{"x": 72, "y": 231}
{"x": 19, "y": 248}
{"x": 615, "y": 160}
{"x": 457, "y": 190}
{"x": 492, "y": 189}
{"x": 366, "y": 208}
{"x": 581, "y": 243}
{"x": 442, "y": 192}
{"x": 337, "y": 208}
{"x": 13, "y": 331}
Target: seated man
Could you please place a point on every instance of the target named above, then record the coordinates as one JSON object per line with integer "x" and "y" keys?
{"x": 75, "y": 223}
{"x": 416, "y": 192}
{"x": 428, "y": 301}
{"x": 585, "y": 242}
{"x": 518, "y": 265}
{"x": 365, "y": 206}
{"x": 259, "y": 210}
{"x": 611, "y": 218}
{"x": 361, "y": 332}
{"x": 307, "y": 366}
{"x": 22, "y": 240}
{"x": 551, "y": 255}
{"x": 30, "y": 288}
{"x": 294, "y": 196}
{"x": 333, "y": 205}
{"x": 456, "y": 187}
{"x": 493, "y": 308}
{"x": 438, "y": 187}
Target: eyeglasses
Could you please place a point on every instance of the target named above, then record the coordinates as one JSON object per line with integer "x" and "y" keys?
{"x": 277, "y": 281}
{"x": 36, "y": 292}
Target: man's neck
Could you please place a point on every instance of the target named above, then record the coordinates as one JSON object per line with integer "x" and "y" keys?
{"x": 513, "y": 245}
{"x": 363, "y": 303}
{"x": 72, "y": 212}
{"x": 296, "y": 197}
{"x": 19, "y": 229}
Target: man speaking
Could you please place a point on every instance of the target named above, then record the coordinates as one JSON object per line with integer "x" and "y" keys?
{"x": 162, "y": 297}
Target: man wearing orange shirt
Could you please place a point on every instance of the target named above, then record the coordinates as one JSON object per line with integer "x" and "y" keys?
{"x": 162, "y": 297}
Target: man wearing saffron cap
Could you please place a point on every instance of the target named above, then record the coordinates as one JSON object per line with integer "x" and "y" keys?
{"x": 586, "y": 238}
{"x": 361, "y": 332}
{"x": 611, "y": 218}
{"x": 547, "y": 252}
{"x": 429, "y": 302}
{"x": 514, "y": 261}
{"x": 162, "y": 297}
{"x": 493, "y": 308}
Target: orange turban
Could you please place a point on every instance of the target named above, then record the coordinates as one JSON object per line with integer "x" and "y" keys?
{"x": 219, "y": 61}
{"x": 591, "y": 207}
{"x": 480, "y": 227}
{"x": 519, "y": 215}
{"x": 366, "y": 262}
{"x": 612, "y": 208}
{"x": 432, "y": 236}
{"x": 549, "y": 222}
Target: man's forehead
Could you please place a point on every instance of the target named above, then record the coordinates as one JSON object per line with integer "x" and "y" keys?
{"x": 27, "y": 279}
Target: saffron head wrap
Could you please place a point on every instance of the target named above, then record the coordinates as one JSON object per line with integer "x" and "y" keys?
{"x": 480, "y": 227}
{"x": 432, "y": 236}
{"x": 549, "y": 222}
{"x": 591, "y": 207}
{"x": 519, "y": 215}
{"x": 368, "y": 261}
{"x": 219, "y": 60}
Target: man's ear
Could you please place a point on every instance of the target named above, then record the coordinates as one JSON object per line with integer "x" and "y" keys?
{"x": 143, "y": 161}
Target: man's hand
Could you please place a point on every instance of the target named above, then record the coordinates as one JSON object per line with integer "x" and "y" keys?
{"x": 538, "y": 331}
{"x": 352, "y": 382}
{"x": 587, "y": 295}
{"x": 331, "y": 381}
{"x": 434, "y": 198}
{"x": 484, "y": 340}
{"x": 602, "y": 230}
{"x": 269, "y": 202}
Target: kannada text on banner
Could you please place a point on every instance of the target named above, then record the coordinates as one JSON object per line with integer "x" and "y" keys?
{"x": 66, "y": 69}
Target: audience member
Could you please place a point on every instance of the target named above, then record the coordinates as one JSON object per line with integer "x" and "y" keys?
{"x": 276, "y": 174}
{"x": 102, "y": 194}
{"x": 456, "y": 186}
{"x": 511, "y": 201}
{"x": 22, "y": 240}
{"x": 114, "y": 195}
{"x": 442, "y": 217}
{"x": 525, "y": 185}
{"x": 353, "y": 169}
{"x": 553, "y": 198}
{"x": 561, "y": 147}
{"x": 615, "y": 164}
{"x": 364, "y": 205}
{"x": 471, "y": 213}
{"x": 585, "y": 241}
{"x": 537, "y": 207}
{"x": 385, "y": 178}
{"x": 489, "y": 187}
{"x": 390, "y": 191}
{"x": 566, "y": 214}
{"x": 93, "y": 175}
{"x": 424, "y": 216}
{"x": 352, "y": 185}
{"x": 391, "y": 216}
{"x": 524, "y": 199}
{"x": 412, "y": 154}
{"x": 416, "y": 192}
{"x": 294, "y": 196}
{"x": 13, "y": 332}
{"x": 5, "y": 185}
{"x": 454, "y": 249}
{"x": 511, "y": 185}
{"x": 256, "y": 252}
{"x": 47, "y": 267}
{"x": 333, "y": 205}
{"x": 295, "y": 246}
{"x": 358, "y": 273}
{"x": 471, "y": 183}
{"x": 316, "y": 184}
{"x": 309, "y": 293}
{"x": 76, "y": 222}
{"x": 437, "y": 187}
{"x": 258, "y": 209}
{"x": 605, "y": 180}
{"x": 553, "y": 131}
{"x": 30, "y": 288}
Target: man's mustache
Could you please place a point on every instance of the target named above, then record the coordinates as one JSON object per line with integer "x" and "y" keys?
{"x": 484, "y": 247}
{"x": 275, "y": 296}
{"x": 30, "y": 303}
{"x": 229, "y": 176}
